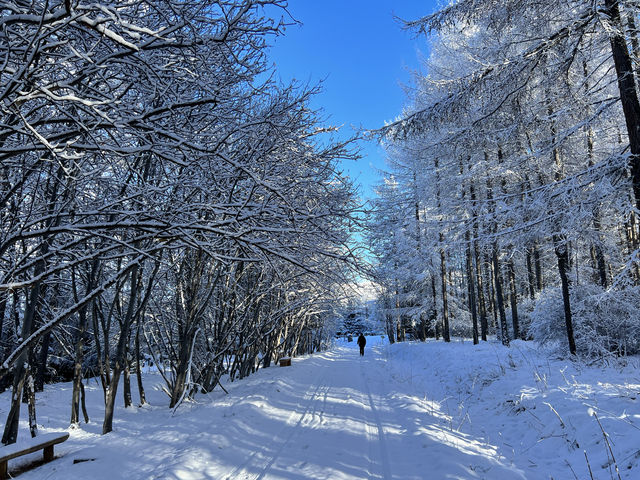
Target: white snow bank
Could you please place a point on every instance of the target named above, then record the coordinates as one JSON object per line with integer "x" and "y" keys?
{"x": 543, "y": 415}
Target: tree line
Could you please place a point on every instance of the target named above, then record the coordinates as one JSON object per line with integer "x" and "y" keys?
{"x": 163, "y": 199}
{"x": 511, "y": 202}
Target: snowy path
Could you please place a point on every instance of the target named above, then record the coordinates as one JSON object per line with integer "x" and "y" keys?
{"x": 333, "y": 415}
{"x": 333, "y": 432}
{"x": 348, "y": 420}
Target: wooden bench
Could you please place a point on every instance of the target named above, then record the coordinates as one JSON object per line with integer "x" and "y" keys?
{"x": 41, "y": 442}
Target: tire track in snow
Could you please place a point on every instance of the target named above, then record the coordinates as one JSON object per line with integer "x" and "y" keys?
{"x": 294, "y": 430}
{"x": 385, "y": 464}
{"x": 282, "y": 438}
{"x": 372, "y": 438}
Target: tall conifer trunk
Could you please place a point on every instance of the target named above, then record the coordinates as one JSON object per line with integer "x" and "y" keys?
{"x": 484, "y": 324}
{"x": 562, "y": 255}
{"x": 497, "y": 277}
{"x": 628, "y": 93}
{"x": 445, "y": 303}
{"x": 472, "y": 291}
{"x": 443, "y": 266}
{"x": 513, "y": 298}
{"x": 561, "y": 247}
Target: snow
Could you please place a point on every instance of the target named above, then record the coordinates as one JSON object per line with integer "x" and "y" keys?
{"x": 403, "y": 411}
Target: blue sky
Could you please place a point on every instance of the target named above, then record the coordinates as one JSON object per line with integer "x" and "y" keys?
{"x": 362, "y": 56}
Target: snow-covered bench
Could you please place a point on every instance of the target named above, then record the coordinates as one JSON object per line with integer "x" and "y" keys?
{"x": 41, "y": 442}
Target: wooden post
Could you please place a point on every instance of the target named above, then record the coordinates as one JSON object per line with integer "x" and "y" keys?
{"x": 285, "y": 362}
{"x": 48, "y": 453}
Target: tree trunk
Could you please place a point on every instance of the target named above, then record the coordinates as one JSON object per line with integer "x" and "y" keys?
{"x": 121, "y": 359}
{"x": 3, "y": 308}
{"x": 126, "y": 381}
{"x": 182, "y": 368}
{"x": 497, "y": 278}
{"x": 562, "y": 254}
{"x": 269, "y": 348}
{"x": 472, "y": 292}
{"x": 77, "y": 384}
{"x": 632, "y": 32}
{"x": 389, "y": 325}
{"x": 597, "y": 254}
{"x": 513, "y": 295}
{"x": 491, "y": 290}
{"x": 10, "y": 434}
{"x": 84, "y": 403}
{"x": 11, "y": 426}
{"x": 633, "y": 233}
{"x": 443, "y": 267}
{"x": 397, "y": 312}
{"x": 422, "y": 327}
{"x": 31, "y": 399}
{"x": 538, "y": 266}
{"x": 141, "y": 394}
{"x": 97, "y": 343}
{"x": 40, "y": 365}
{"x": 12, "y": 333}
{"x": 445, "y": 304}
{"x": 434, "y": 308}
{"x": 484, "y": 325}
{"x": 77, "y": 369}
{"x": 79, "y": 350}
{"x": 41, "y": 368}
{"x": 628, "y": 94}
{"x": 530, "y": 275}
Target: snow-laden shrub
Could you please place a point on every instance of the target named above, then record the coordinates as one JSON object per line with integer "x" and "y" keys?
{"x": 547, "y": 325}
{"x": 605, "y": 322}
{"x": 612, "y": 317}
{"x": 525, "y": 308}
{"x": 461, "y": 325}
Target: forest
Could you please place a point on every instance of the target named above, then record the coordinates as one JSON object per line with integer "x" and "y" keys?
{"x": 168, "y": 203}
{"x": 163, "y": 199}
{"x": 510, "y": 206}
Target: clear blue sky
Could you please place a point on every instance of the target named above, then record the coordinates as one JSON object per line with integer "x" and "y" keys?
{"x": 362, "y": 56}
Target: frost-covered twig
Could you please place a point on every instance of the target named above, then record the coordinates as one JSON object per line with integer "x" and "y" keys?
{"x": 588, "y": 465}
{"x": 562, "y": 424}
{"x": 628, "y": 422}
{"x": 609, "y": 449}
{"x": 572, "y": 471}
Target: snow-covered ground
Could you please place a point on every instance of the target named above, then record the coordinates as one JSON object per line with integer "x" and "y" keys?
{"x": 403, "y": 411}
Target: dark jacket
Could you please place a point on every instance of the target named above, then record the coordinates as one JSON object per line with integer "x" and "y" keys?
{"x": 362, "y": 341}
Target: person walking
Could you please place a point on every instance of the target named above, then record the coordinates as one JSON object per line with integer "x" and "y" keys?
{"x": 361, "y": 343}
